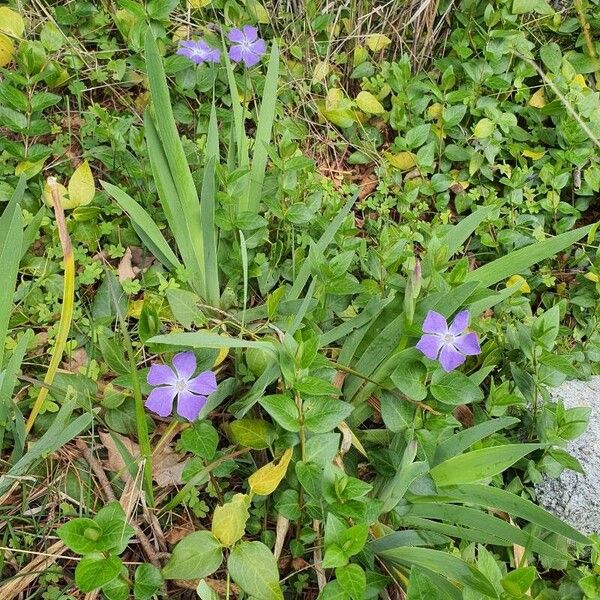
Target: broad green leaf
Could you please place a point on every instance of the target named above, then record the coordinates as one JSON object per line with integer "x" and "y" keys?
{"x": 147, "y": 581}
{"x": 283, "y": 411}
{"x": 95, "y": 570}
{"x": 517, "y": 261}
{"x": 80, "y": 535}
{"x": 196, "y": 555}
{"x": 454, "y": 388}
{"x": 409, "y": 378}
{"x": 479, "y": 464}
{"x": 254, "y": 568}
{"x": 352, "y": 580}
{"x": 229, "y": 520}
{"x": 201, "y": 439}
{"x": 252, "y": 433}
{"x": 322, "y": 415}
{"x": 267, "y": 478}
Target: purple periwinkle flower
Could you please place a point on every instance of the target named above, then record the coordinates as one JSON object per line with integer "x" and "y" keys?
{"x": 450, "y": 345}
{"x": 199, "y": 51}
{"x": 177, "y": 382}
{"x": 247, "y": 46}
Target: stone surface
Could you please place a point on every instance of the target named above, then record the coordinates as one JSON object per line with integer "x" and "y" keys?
{"x": 575, "y": 497}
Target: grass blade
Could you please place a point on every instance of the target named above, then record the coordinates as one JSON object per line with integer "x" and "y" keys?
{"x": 149, "y": 231}
{"x": 264, "y": 128}
{"x": 460, "y": 232}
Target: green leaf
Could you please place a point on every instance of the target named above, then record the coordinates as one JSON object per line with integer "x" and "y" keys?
{"x": 200, "y": 339}
{"x": 421, "y": 587}
{"x": 80, "y": 535}
{"x": 334, "y": 557}
{"x": 454, "y": 388}
{"x": 444, "y": 564}
{"x": 147, "y": 229}
{"x": 519, "y": 260}
{"x": 283, "y": 410}
{"x": 460, "y": 233}
{"x": 204, "y": 591}
{"x": 254, "y": 568}
{"x": 551, "y": 56}
{"x": 316, "y": 386}
{"x": 521, "y": 7}
{"x": 94, "y": 571}
{"x": 147, "y": 581}
{"x": 353, "y": 580}
{"x": 479, "y": 464}
{"x": 322, "y": 415}
{"x": 264, "y": 127}
{"x": 409, "y": 378}
{"x": 184, "y": 306}
{"x": 196, "y": 555}
{"x": 117, "y": 589}
{"x": 252, "y": 433}
{"x": 200, "y": 439}
{"x": 518, "y": 582}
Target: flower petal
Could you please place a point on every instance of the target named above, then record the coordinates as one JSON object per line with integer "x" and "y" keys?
{"x": 205, "y": 384}
{"x": 435, "y": 323}
{"x": 236, "y": 53}
{"x": 430, "y": 345}
{"x": 236, "y": 35}
{"x": 189, "y": 405}
{"x": 250, "y": 33}
{"x": 161, "y": 375}
{"x": 450, "y": 358}
{"x": 250, "y": 59}
{"x": 213, "y": 55}
{"x": 460, "y": 323}
{"x": 468, "y": 344}
{"x": 185, "y": 364}
{"x": 160, "y": 400}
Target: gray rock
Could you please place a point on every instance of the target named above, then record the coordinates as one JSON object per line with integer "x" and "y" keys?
{"x": 573, "y": 497}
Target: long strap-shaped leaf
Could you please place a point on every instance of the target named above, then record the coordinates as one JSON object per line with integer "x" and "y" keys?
{"x": 263, "y": 133}
{"x": 174, "y": 153}
{"x": 209, "y": 230}
{"x": 523, "y": 258}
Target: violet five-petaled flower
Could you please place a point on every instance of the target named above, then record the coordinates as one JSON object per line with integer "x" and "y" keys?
{"x": 450, "y": 345}
{"x": 247, "y": 46}
{"x": 199, "y": 51}
{"x": 177, "y": 382}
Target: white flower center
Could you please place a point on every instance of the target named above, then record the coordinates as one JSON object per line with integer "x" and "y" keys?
{"x": 181, "y": 385}
{"x": 448, "y": 338}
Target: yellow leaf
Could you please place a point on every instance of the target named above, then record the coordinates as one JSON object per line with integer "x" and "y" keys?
{"x": 579, "y": 79}
{"x": 403, "y": 161}
{"x": 134, "y": 309}
{"x": 321, "y": 71}
{"x": 592, "y": 277}
{"x": 229, "y": 520}
{"x": 28, "y": 168}
{"x": 484, "y": 128}
{"x": 267, "y": 478}
{"x": 378, "y": 41}
{"x": 11, "y": 22}
{"x": 258, "y": 11}
{"x": 369, "y": 104}
{"x": 7, "y": 50}
{"x": 535, "y": 154}
{"x": 518, "y": 280}
{"x": 199, "y": 3}
{"x": 223, "y": 352}
{"x": 435, "y": 111}
{"x": 81, "y": 185}
{"x": 63, "y": 195}
{"x": 538, "y": 100}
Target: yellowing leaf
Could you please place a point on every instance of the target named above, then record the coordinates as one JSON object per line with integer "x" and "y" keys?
{"x": 28, "y": 168}
{"x": 258, "y": 11}
{"x": 81, "y": 185}
{"x": 223, "y": 352}
{"x": 63, "y": 196}
{"x": 538, "y": 100}
{"x": 369, "y": 104}
{"x": 592, "y": 277}
{"x": 378, "y": 41}
{"x": 229, "y": 520}
{"x": 579, "y": 79}
{"x": 484, "y": 128}
{"x": 518, "y": 280}
{"x": 435, "y": 111}
{"x": 7, "y": 50}
{"x": 11, "y": 22}
{"x": 199, "y": 3}
{"x": 535, "y": 154}
{"x": 321, "y": 71}
{"x": 403, "y": 161}
{"x": 267, "y": 478}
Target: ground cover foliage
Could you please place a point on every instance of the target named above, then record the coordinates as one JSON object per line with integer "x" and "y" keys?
{"x": 281, "y": 309}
